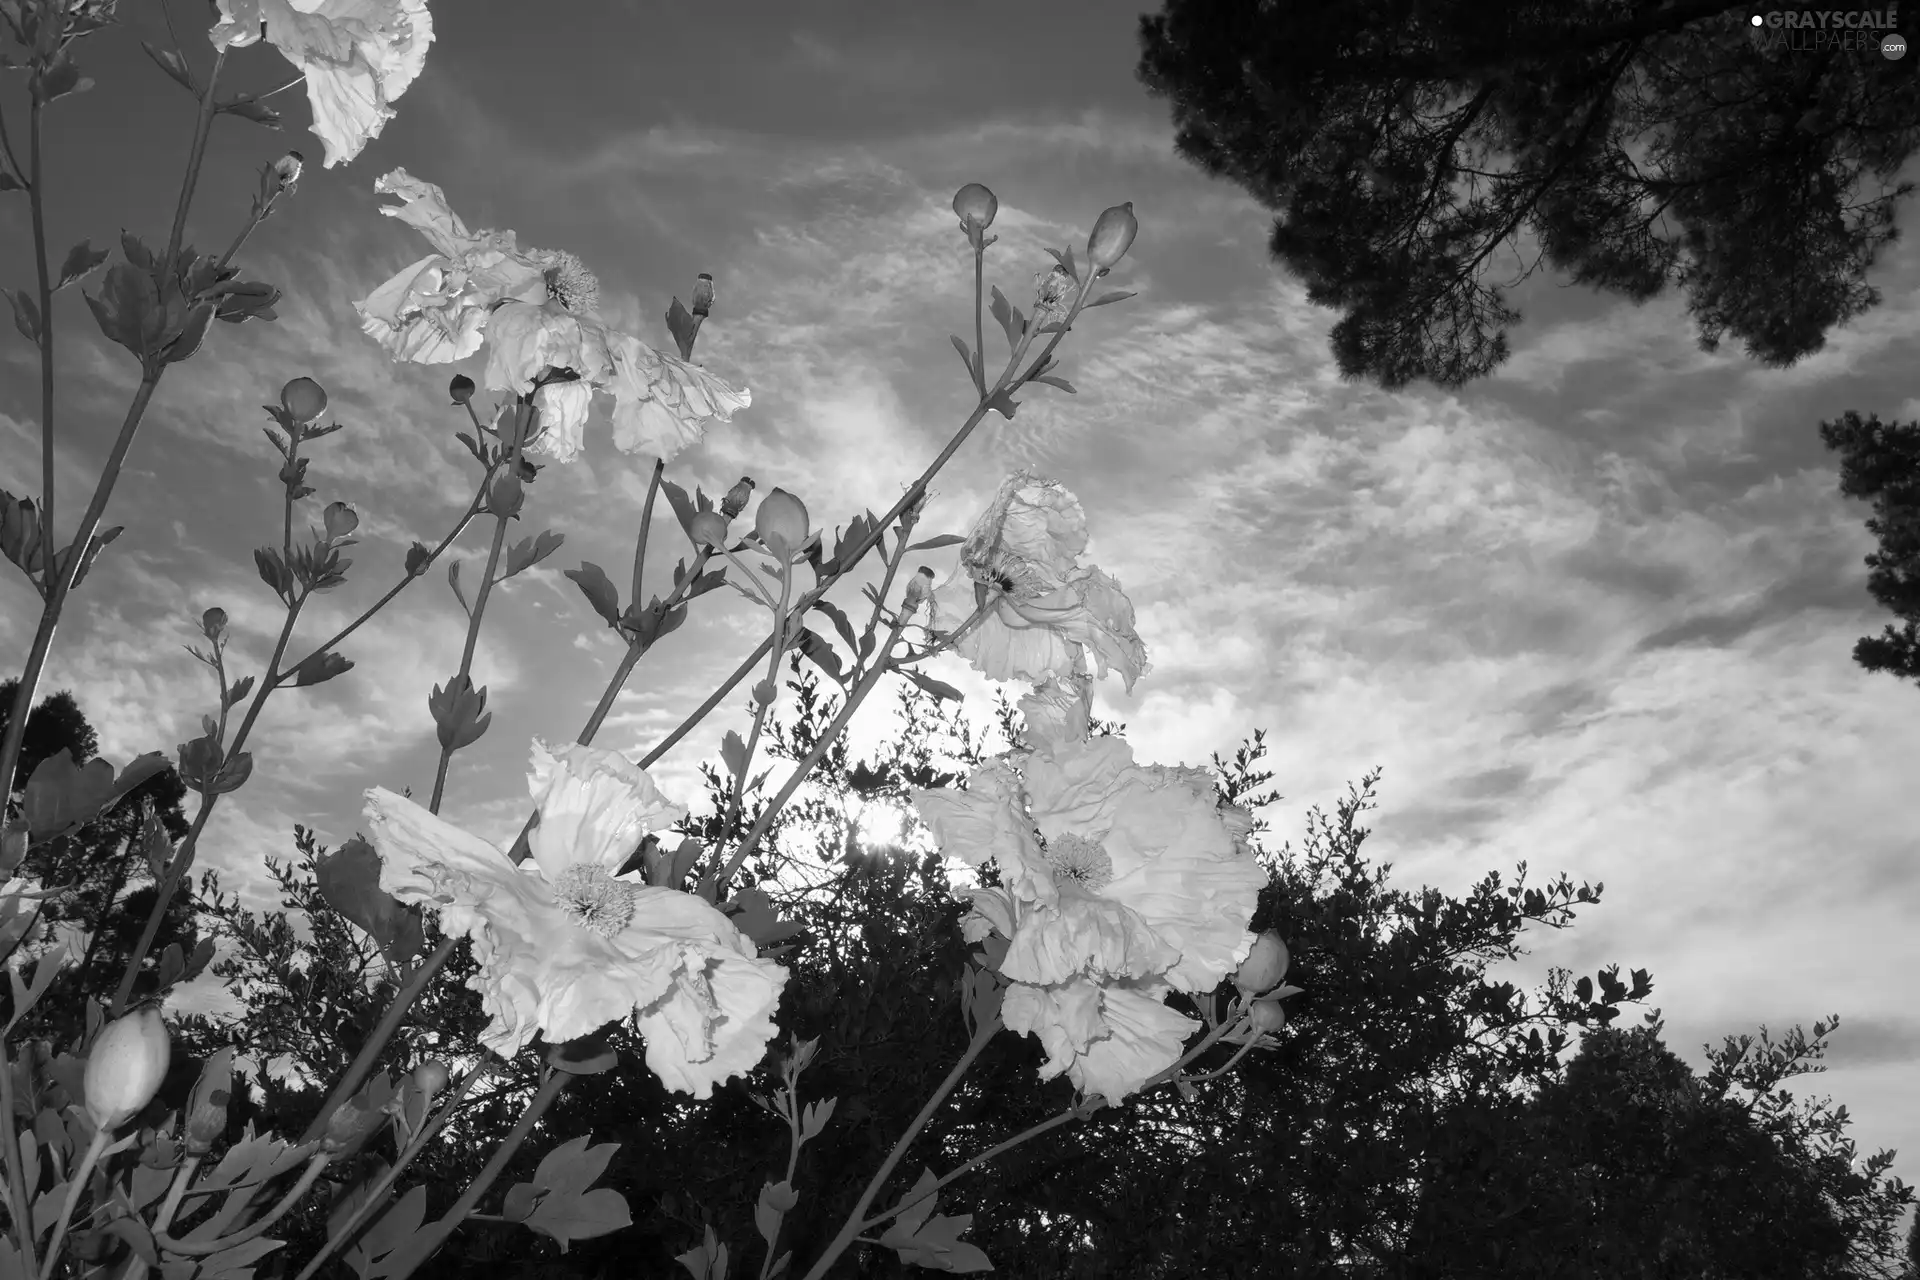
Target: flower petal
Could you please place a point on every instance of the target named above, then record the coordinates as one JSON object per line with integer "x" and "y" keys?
{"x": 987, "y": 821}
{"x": 538, "y": 969}
{"x": 563, "y": 408}
{"x": 662, "y": 404}
{"x": 357, "y": 56}
{"x": 1107, "y": 1040}
{"x": 595, "y": 805}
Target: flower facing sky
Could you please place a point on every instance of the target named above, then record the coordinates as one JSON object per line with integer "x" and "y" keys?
{"x": 358, "y": 57}
{"x": 565, "y": 945}
{"x": 1047, "y": 609}
{"x": 537, "y": 309}
{"x": 1118, "y": 883}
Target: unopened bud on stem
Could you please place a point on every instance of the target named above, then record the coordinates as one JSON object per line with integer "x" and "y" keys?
{"x": 1112, "y": 236}
{"x": 125, "y": 1067}
{"x": 460, "y": 390}
{"x": 702, "y": 295}
{"x": 976, "y": 206}
{"x": 1265, "y": 965}
{"x": 781, "y": 523}
{"x": 303, "y": 399}
{"x": 708, "y": 529}
{"x": 737, "y": 497}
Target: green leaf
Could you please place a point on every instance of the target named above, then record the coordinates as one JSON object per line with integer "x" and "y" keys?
{"x": 236, "y": 693}
{"x": 27, "y": 994}
{"x": 528, "y": 552}
{"x": 1052, "y": 381}
{"x": 683, "y": 508}
{"x": 752, "y": 913}
{"x": 943, "y": 540}
{"x": 248, "y": 107}
{"x": 1066, "y": 260}
{"x": 453, "y": 580}
{"x": 26, "y": 314}
{"x": 841, "y": 624}
{"x": 457, "y": 712}
{"x": 733, "y": 753}
{"x": 174, "y": 65}
{"x": 1105, "y": 298}
{"x": 82, "y": 260}
{"x": 417, "y": 557}
{"x": 708, "y": 1261}
{"x": 680, "y": 325}
{"x": 1008, "y": 315}
{"x": 593, "y": 582}
{"x": 558, "y": 1204}
{"x": 320, "y": 668}
{"x": 938, "y": 688}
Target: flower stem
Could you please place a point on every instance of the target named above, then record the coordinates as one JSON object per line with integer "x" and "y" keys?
{"x": 376, "y": 1195}
{"x": 36, "y": 201}
{"x": 853, "y": 1226}
{"x": 436, "y": 1235}
{"x": 182, "y": 859}
{"x": 646, "y": 523}
{"x": 370, "y": 1051}
{"x": 855, "y": 697}
{"x": 463, "y": 680}
{"x": 16, "y": 1185}
{"x": 206, "y": 1248}
{"x": 196, "y": 156}
{"x": 852, "y": 556}
{"x": 738, "y": 790}
{"x": 62, "y": 581}
{"x": 74, "y": 1188}
{"x": 176, "y": 1192}
{"x": 979, "y": 331}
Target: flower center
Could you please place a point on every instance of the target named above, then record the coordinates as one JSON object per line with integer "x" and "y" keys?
{"x": 569, "y": 280}
{"x": 1080, "y": 860}
{"x": 595, "y": 899}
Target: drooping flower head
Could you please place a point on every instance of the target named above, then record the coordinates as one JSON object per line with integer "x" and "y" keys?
{"x": 358, "y": 57}
{"x": 1047, "y": 609}
{"x": 1059, "y": 710}
{"x": 566, "y": 945}
{"x": 537, "y": 311}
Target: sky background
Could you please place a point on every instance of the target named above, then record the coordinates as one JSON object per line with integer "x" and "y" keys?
{"x": 1595, "y": 611}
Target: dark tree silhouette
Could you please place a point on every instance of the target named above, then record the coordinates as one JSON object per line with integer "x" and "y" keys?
{"x": 1880, "y": 463}
{"x": 1402, "y": 143}
{"x": 109, "y": 889}
{"x": 1629, "y": 1166}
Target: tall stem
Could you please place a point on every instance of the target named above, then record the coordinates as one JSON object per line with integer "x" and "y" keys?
{"x": 62, "y": 581}
{"x": 37, "y": 203}
{"x": 17, "y": 1202}
{"x": 436, "y": 1235}
{"x": 195, "y": 156}
{"x": 462, "y": 680}
{"x": 851, "y": 1227}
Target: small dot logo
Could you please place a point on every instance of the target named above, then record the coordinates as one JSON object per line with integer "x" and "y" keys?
{"x": 1758, "y": 20}
{"x": 1894, "y": 47}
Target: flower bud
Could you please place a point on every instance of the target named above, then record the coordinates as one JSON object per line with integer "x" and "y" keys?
{"x": 1266, "y": 1015}
{"x": 736, "y": 500}
{"x": 919, "y": 587}
{"x": 340, "y": 519}
{"x": 708, "y": 529}
{"x": 1112, "y": 236}
{"x": 286, "y": 170}
{"x": 702, "y": 294}
{"x": 781, "y": 522}
{"x": 214, "y": 622}
{"x": 460, "y": 390}
{"x": 431, "y": 1076}
{"x": 207, "y": 1107}
{"x": 976, "y": 206}
{"x": 125, "y": 1067}
{"x": 1265, "y": 965}
{"x": 303, "y": 399}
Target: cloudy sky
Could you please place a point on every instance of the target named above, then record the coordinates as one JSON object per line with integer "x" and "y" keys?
{"x": 1594, "y": 612}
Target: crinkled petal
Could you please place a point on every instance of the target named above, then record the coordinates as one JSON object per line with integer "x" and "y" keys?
{"x": 357, "y": 55}
{"x": 1058, "y": 710}
{"x": 1102, "y": 621}
{"x": 538, "y": 969}
{"x": 1005, "y": 645}
{"x": 524, "y": 338}
{"x": 992, "y": 913}
{"x": 1084, "y": 935}
{"x": 1175, "y": 861}
{"x": 714, "y": 1021}
{"x": 1107, "y": 1040}
{"x": 715, "y": 1017}
{"x": 595, "y": 805}
{"x": 986, "y": 821}
{"x": 563, "y": 408}
{"x": 414, "y": 317}
{"x": 1041, "y": 525}
{"x": 662, "y": 404}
